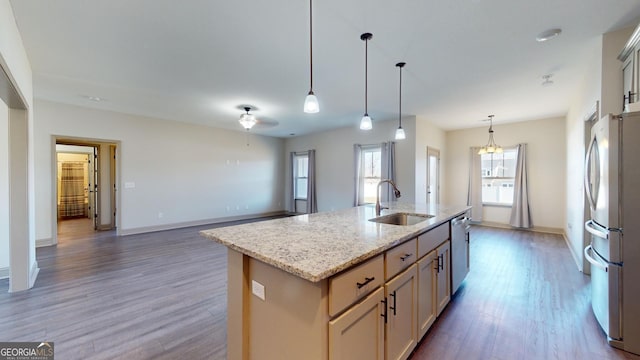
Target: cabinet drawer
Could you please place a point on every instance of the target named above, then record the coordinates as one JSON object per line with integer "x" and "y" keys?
{"x": 354, "y": 284}
{"x": 432, "y": 238}
{"x": 400, "y": 258}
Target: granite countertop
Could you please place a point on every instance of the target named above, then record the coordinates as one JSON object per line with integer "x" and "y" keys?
{"x": 316, "y": 246}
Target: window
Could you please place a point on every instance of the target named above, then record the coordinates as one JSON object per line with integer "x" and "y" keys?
{"x": 300, "y": 173}
{"x": 371, "y": 172}
{"x": 498, "y": 173}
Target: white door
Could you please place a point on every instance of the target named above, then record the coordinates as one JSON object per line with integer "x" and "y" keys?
{"x": 433, "y": 175}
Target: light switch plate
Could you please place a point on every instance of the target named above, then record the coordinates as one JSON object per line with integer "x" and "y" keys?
{"x": 257, "y": 289}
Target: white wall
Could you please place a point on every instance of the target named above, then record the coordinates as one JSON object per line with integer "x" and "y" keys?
{"x": 334, "y": 160}
{"x": 546, "y": 168}
{"x": 14, "y": 62}
{"x": 429, "y": 135}
{"x": 4, "y": 190}
{"x": 183, "y": 173}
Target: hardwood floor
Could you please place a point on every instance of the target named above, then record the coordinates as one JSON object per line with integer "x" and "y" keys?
{"x": 163, "y": 296}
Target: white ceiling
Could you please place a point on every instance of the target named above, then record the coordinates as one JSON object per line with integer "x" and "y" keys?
{"x": 201, "y": 61}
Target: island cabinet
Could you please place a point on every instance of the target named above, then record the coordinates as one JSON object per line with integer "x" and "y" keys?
{"x": 433, "y": 276}
{"x": 378, "y": 308}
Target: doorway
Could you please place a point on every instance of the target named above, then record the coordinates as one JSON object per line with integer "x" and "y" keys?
{"x": 433, "y": 175}
{"x": 85, "y": 188}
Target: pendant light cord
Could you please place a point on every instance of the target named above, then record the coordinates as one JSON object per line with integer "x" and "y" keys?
{"x": 311, "y": 42}
{"x": 366, "y": 67}
{"x": 400, "y": 101}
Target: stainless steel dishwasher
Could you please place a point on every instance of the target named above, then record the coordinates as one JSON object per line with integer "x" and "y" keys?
{"x": 459, "y": 250}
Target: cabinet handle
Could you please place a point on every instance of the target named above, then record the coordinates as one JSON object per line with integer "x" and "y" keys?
{"x": 440, "y": 262}
{"x": 405, "y": 257}
{"x": 366, "y": 281}
{"x": 393, "y": 294}
{"x": 384, "y": 315}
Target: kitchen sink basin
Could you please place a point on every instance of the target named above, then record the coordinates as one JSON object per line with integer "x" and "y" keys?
{"x": 401, "y": 218}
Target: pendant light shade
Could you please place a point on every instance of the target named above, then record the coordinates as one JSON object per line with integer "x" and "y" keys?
{"x": 311, "y": 105}
{"x": 491, "y": 146}
{"x": 247, "y": 120}
{"x": 365, "y": 123}
{"x": 400, "y": 135}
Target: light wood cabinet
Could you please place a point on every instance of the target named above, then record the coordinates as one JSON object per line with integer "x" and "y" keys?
{"x": 359, "y": 332}
{"x": 443, "y": 287}
{"x": 427, "y": 280}
{"x": 377, "y": 309}
{"x": 630, "y": 57}
{"x": 401, "y": 314}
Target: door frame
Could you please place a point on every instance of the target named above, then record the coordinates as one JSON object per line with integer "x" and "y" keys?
{"x": 114, "y": 165}
{"x": 435, "y": 152}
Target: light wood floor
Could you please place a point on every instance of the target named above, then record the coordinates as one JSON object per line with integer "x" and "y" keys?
{"x": 163, "y": 296}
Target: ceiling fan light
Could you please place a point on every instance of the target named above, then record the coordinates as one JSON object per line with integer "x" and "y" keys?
{"x": 400, "y": 134}
{"x": 482, "y": 151}
{"x": 365, "y": 123}
{"x": 247, "y": 121}
{"x": 499, "y": 150}
{"x": 311, "y": 105}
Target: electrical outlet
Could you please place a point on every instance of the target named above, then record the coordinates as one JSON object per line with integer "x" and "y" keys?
{"x": 237, "y": 207}
{"x": 257, "y": 289}
{"x": 160, "y": 215}
{"x": 246, "y": 207}
{"x": 228, "y": 208}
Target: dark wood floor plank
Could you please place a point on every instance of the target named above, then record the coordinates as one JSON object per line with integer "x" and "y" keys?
{"x": 163, "y": 296}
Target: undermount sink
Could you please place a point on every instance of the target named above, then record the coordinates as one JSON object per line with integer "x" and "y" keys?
{"x": 401, "y": 218}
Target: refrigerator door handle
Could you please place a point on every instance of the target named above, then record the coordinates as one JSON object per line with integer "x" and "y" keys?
{"x": 596, "y": 229}
{"x": 595, "y": 262}
{"x": 587, "y": 171}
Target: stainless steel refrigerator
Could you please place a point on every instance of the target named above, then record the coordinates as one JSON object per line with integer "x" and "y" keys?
{"x": 612, "y": 186}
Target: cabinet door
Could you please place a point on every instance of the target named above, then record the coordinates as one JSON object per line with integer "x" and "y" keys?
{"x": 427, "y": 280}
{"x": 628, "y": 79}
{"x": 444, "y": 276}
{"x": 402, "y": 327}
{"x": 359, "y": 332}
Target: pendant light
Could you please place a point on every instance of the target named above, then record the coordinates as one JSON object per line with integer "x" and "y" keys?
{"x": 491, "y": 146}
{"x": 311, "y": 105}
{"x": 365, "y": 123}
{"x": 247, "y": 120}
{"x": 400, "y": 131}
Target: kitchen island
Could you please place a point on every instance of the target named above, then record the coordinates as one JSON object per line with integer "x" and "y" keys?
{"x": 321, "y": 286}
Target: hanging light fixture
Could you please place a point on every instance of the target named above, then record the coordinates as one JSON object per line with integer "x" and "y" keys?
{"x": 247, "y": 120}
{"x": 400, "y": 131}
{"x": 311, "y": 105}
{"x": 365, "y": 123}
{"x": 491, "y": 146}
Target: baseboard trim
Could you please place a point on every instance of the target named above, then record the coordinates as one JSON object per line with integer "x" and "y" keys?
{"x": 4, "y": 272}
{"x": 163, "y": 227}
{"x": 44, "y": 242}
{"x": 33, "y": 274}
{"x": 576, "y": 257}
{"x": 540, "y": 229}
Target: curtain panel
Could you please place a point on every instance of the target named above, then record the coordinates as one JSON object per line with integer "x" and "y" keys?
{"x": 474, "y": 191}
{"x": 312, "y": 200}
{"x": 520, "y": 212}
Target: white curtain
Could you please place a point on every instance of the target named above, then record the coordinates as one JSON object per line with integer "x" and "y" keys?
{"x": 312, "y": 201}
{"x": 357, "y": 155}
{"x": 292, "y": 196}
{"x": 388, "y": 156}
{"x": 520, "y": 214}
{"x": 474, "y": 192}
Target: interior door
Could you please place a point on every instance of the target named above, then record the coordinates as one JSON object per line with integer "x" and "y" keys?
{"x": 94, "y": 188}
{"x": 433, "y": 175}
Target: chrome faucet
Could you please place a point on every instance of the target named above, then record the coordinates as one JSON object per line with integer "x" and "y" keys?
{"x": 395, "y": 191}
